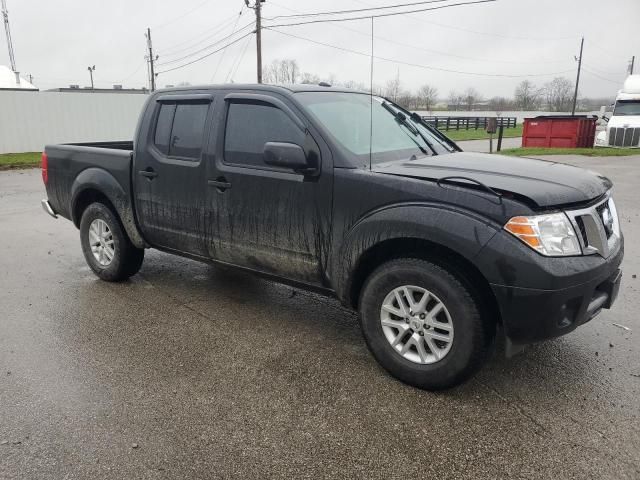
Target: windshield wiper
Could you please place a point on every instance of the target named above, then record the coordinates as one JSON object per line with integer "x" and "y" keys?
{"x": 402, "y": 120}
{"x": 444, "y": 141}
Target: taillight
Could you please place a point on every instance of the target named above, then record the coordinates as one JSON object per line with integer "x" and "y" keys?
{"x": 45, "y": 168}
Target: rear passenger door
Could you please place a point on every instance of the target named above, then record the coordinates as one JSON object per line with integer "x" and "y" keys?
{"x": 170, "y": 174}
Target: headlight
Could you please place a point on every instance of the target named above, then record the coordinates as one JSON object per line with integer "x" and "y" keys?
{"x": 551, "y": 235}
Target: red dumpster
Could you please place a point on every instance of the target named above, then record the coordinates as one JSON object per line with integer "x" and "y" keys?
{"x": 577, "y": 131}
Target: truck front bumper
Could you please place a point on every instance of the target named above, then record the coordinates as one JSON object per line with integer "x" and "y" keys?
{"x": 567, "y": 292}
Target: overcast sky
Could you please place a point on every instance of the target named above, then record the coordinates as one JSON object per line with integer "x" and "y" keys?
{"x": 55, "y": 41}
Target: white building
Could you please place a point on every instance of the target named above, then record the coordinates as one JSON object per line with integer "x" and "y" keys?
{"x": 10, "y": 80}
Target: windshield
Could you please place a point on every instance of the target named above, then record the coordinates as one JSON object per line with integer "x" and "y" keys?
{"x": 627, "y": 107}
{"x": 365, "y": 125}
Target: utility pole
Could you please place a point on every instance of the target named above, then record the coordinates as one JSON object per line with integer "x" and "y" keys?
{"x": 257, "y": 9}
{"x": 151, "y": 60}
{"x": 575, "y": 95}
{"x": 91, "y": 70}
{"x": 259, "y": 40}
{"x": 633, "y": 60}
{"x": 7, "y": 31}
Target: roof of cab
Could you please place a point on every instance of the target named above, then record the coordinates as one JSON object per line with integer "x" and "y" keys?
{"x": 286, "y": 89}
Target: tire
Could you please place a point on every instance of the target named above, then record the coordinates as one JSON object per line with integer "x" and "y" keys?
{"x": 460, "y": 338}
{"x": 125, "y": 259}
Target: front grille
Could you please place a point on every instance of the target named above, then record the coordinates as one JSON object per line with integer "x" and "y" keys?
{"x": 597, "y": 227}
{"x": 582, "y": 230}
{"x": 624, "y": 137}
{"x": 602, "y": 210}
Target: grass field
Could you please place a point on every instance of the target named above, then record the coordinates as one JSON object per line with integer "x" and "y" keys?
{"x": 19, "y": 160}
{"x": 589, "y": 152}
{"x": 459, "y": 135}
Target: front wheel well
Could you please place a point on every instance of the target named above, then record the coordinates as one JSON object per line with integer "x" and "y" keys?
{"x": 436, "y": 253}
{"x": 86, "y": 198}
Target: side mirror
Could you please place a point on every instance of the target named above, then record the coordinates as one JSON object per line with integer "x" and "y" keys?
{"x": 287, "y": 155}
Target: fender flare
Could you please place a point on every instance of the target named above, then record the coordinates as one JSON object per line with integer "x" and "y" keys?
{"x": 464, "y": 232}
{"x": 100, "y": 180}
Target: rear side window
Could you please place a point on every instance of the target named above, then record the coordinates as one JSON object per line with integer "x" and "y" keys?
{"x": 188, "y": 130}
{"x": 180, "y": 129}
{"x": 163, "y": 127}
{"x": 250, "y": 126}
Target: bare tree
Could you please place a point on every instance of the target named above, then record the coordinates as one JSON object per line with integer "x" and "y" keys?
{"x": 393, "y": 88}
{"x": 353, "y": 85}
{"x": 527, "y": 96}
{"x": 427, "y": 96}
{"x": 500, "y": 104}
{"x": 332, "y": 79}
{"x": 378, "y": 90}
{"x": 285, "y": 71}
{"x": 559, "y": 94}
{"x": 406, "y": 99}
{"x": 454, "y": 100}
{"x": 471, "y": 97}
{"x": 309, "y": 78}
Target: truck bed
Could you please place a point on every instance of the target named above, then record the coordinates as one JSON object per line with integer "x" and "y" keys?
{"x": 66, "y": 162}
{"x": 118, "y": 145}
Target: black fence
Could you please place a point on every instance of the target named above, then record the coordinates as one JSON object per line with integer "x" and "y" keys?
{"x": 467, "y": 123}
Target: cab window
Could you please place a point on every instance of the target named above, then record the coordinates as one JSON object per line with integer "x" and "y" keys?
{"x": 250, "y": 126}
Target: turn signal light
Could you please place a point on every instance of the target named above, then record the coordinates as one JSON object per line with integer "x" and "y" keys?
{"x": 523, "y": 228}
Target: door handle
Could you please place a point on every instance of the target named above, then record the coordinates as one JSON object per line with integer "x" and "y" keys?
{"x": 149, "y": 173}
{"x": 220, "y": 183}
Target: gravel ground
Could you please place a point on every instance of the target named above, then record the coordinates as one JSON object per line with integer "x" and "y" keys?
{"x": 189, "y": 371}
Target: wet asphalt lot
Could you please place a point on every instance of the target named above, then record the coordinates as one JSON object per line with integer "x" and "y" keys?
{"x": 190, "y": 371}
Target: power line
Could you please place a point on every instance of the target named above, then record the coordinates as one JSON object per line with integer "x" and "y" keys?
{"x": 169, "y": 62}
{"x": 134, "y": 72}
{"x": 617, "y": 82}
{"x": 490, "y": 34}
{"x": 211, "y": 32}
{"x": 437, "y": 52}
{"x": 378, "y": 15}
{"x": 234, "y": 70}
{"x": 355, "y": 10}
{"x": 175, "y": 19}
{"x": 207, "y": 55}
{"x": 225, "y": 48}
{"x": 608, "y": 53}
{"x": 428, "y": 67}
{"x": 602, "y": 71}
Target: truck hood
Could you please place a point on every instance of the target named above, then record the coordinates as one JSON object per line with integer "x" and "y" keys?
{"x": 543, "y": 183}
{"x": 632, "y": 121}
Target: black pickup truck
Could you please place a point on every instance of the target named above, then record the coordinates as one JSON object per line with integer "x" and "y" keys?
{"x": 351, "y": 195}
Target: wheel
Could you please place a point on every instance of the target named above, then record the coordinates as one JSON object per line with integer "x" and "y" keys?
{"x": 106, "y": 247}
{"x": 423, "y": 325}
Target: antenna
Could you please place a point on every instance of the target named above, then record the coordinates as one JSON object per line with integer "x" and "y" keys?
{"x": 371, "y": 101}
{"x": 5, "y": 16}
